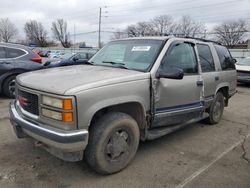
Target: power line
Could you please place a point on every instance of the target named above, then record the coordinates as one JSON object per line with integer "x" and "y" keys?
{"x": 178, "y": 9}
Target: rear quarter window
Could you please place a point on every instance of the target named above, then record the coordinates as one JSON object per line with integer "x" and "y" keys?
{"x": 14, "y": 53}
{"x": 225, "y": 58}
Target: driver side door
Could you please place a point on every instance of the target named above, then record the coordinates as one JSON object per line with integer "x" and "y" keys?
{"x": 177, "y": 101}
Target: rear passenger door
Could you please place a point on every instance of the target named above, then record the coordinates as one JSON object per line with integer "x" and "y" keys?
{"x": 209, "y": 74}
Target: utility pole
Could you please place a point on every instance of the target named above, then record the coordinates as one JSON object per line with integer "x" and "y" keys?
{"x": 99, "y": 31}
{"x": 74, "y": 38}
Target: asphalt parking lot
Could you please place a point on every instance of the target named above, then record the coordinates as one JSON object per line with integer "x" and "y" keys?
{"x": 196, "y": 156}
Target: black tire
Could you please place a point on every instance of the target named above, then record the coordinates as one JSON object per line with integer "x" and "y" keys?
{"x": 216, "y": 109}
{"x": 9, "y": 86}
{"x": 113, "y": 142}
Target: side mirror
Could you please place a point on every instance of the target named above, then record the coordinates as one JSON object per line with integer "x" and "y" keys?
{"x": 234, "y": 61}
{"x": 172, "y": 74}
{"x": 75, "y": 58}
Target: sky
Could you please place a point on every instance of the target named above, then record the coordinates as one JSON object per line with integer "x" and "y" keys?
{"x": 82, "y": 15}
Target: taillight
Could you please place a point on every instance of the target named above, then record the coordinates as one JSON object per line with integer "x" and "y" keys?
{"x": 37, "y": 57}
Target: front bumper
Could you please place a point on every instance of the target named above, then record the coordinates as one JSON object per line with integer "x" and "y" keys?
{"x": 63, "y": 144}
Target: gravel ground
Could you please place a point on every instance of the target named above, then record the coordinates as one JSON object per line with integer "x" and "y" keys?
{"x": 198, "y": 155}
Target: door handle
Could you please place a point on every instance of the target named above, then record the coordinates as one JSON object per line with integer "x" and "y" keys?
{"x": 216, "y": 78}
{"x": 199, "y": 83}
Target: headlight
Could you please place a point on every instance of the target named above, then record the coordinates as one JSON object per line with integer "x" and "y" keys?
{"x": 65, "y": 104}
{"x": 66, "y": 117}
{"x": 58, "y": 109}
{"x": 52, "y": 114}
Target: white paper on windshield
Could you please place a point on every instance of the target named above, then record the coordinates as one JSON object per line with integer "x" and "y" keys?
{"x": 141, "y": 48}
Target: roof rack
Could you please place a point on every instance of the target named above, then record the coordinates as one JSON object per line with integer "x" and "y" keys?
{"x": 204, "y": 40}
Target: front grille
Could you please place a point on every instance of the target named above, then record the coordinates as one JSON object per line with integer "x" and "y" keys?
{"x": 28, "y": 101}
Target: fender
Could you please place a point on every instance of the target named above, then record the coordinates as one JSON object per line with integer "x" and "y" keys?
{"x": 113, "y": 102}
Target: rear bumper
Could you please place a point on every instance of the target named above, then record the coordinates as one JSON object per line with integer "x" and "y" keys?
{"x": 57, "y": 142}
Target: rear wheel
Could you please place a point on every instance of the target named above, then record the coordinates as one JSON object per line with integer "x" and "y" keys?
{"x": 216, "y": 109}
{"x": 113, "y": 142}
{"x": 9, "y": 86}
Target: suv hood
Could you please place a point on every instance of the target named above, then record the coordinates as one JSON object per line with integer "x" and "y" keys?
{"x": 72, "y": 79}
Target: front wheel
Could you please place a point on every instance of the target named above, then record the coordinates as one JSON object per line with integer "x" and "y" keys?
{"x": 113, "y": 142}
{"x": 216, "y": 109}
{"x": 9, "y": 86}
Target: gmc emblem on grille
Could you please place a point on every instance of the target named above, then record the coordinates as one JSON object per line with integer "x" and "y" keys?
{"x": 22, "y": 101}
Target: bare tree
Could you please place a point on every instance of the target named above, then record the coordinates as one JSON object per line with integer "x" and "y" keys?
{"x": 36, "y": 33}
{"x": 59, "y": 29}
{"x": 141, "y": 29}
{"x": 231, "y": 32}
{"x": 132, "y": 31}
{"x": 163, "y": 25}
{"x": 8, "y": 30}
{"x": 187, "y": 27}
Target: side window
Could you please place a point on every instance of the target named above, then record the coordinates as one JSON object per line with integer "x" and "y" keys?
{"x": 2, "y": 53}
{"x": 206, "y": 58}
{"x": 180, "y": 55}
{"x": 225, "y": 57}
{"x": 13, "y": 53}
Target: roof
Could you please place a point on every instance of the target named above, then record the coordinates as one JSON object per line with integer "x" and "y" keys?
{"x": 163, "y": 38}
{"x": 147, "y": 38}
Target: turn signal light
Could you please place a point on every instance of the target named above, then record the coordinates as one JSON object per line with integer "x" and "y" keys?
{"x": 67, "y": 104}
{"x": 67, "y": 117}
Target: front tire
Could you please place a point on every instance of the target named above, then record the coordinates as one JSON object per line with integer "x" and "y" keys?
{"x": 9, "y": 86}
{"x": 113, "y": 142}
{"x": 216, "y": 109}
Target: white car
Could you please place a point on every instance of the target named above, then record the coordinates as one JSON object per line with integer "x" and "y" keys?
{"x": 243, "y": 70}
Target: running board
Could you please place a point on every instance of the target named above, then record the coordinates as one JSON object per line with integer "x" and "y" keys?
{"x": 159, "y": 132}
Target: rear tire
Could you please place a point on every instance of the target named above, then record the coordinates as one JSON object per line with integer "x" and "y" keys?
{"x": 113, "y": 142}
{"x": 9, "y": 86}
{"x": 216, "y": 109}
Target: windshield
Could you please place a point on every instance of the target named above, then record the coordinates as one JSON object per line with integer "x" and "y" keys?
{"x": 245, "y": 61}
{"x": 130, "y": 54}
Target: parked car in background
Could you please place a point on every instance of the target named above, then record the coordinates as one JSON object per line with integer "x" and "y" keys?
{"x": 55, "y": 54}
{"x": 243, "y": 70}
{"x": 66, "y": 55}
{"x": 14, "y": 60}
{"x": 44, "y": 53}
{"x": 75, "y": 59}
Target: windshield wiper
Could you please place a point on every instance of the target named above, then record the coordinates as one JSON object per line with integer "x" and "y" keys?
{"x": 120, "y": 65}
{"x": 113, "y": 63}
{"x": 88, "y": 63}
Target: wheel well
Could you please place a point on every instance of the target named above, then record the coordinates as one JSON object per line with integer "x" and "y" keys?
{"x": 225, "y": 92}
{"x": 2, "y": 83}
{"x": 133, "y": 109}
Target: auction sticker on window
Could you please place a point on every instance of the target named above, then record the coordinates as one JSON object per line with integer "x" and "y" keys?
{"x": 141, "y": 48}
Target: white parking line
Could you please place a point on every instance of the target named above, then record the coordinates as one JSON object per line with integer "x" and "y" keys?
{"x": 204, "y": 168}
